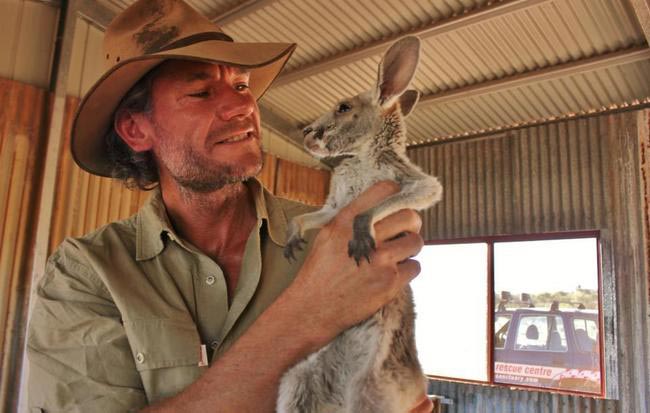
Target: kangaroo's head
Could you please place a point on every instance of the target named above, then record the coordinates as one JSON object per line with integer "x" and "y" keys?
{"x": 354, "y": 122}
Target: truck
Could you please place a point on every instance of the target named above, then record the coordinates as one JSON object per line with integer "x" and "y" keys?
{"x": 547, "y": 347}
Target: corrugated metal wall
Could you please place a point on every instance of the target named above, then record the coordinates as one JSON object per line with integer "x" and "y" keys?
{"x": 27, "y": 53}
{"x": 25, "y": 67}
{"x": 21, "y": 150}
{"x": 547, "y": 178}
{"x": 573, "y": 175}
{"x": 83, "y": 201}
{"x": 304, "y": 184}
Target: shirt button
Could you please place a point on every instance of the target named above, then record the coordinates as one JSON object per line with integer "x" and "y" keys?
{"x": 214, "y": 344}
{"x": 139, "y": 358}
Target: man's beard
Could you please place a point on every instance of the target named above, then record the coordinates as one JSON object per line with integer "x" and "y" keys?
{"x": 196, "y": 173}
{"x": 203, "y": 181}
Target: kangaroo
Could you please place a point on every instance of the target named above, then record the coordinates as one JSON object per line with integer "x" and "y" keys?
{"x": 371, "y": 367}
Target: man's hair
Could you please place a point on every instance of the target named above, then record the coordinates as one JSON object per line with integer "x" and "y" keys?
{"x": 136, "y": 169}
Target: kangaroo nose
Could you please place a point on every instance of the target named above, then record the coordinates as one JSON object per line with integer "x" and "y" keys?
{"x": 307, "y": 131}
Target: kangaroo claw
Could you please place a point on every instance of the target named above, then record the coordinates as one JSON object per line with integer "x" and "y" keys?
{"x": 361, "y": 247}
{"x": 295, "y": 243}
{"x": 362, "y": 243}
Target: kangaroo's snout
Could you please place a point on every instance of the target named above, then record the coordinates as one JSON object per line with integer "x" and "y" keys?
{"x": 318, "y": 132}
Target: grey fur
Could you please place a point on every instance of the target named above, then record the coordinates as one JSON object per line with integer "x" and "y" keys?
{"x": 373, "y": 366}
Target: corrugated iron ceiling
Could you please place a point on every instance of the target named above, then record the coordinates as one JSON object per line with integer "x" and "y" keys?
{"x": 485, "y": 66}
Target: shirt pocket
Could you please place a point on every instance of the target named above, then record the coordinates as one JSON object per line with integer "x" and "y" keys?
{"x": 166, "y": 354}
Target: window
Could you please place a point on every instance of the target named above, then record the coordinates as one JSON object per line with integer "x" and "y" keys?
{"x": 517, "y": 312}
{"x": 450, "y": 306}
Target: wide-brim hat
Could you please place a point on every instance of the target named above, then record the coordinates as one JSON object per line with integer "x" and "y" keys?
{"x": 144, "y": 35}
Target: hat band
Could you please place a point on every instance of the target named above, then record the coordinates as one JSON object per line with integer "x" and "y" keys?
{"x": 196, "y": 38}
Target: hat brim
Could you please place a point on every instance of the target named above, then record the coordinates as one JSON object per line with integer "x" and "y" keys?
{"x": 95, "y": 112}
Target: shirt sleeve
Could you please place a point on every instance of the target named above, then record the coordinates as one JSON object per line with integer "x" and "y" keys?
{"x": 79, "y": 356}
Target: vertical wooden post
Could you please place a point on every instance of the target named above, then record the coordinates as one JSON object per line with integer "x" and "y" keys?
{"x": 643, "y": 127}
{"x": 68, "y": 18}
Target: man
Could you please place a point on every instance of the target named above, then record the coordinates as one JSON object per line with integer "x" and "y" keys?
{"x": 189, "y": 305}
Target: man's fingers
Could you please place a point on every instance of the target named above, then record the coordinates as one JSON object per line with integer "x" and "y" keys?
{"x": 408, "y": 270}
{"x": 401, "y": 248}
{"x": 405, "y": 220}
{"x": 369, "y": 198}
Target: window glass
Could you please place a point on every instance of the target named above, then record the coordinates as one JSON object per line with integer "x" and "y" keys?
{"x": 501, "y": 325}
{"x": 451, "y": 300}
{"x": 550, "y": 290}
{"x": 541, "y": 333}
{"x": 586, "y": 334}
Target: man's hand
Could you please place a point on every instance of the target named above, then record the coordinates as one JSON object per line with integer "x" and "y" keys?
{"x": 333, "y": 289}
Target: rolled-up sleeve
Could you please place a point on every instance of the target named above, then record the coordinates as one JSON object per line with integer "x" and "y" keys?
{"x": 79, "y": 356}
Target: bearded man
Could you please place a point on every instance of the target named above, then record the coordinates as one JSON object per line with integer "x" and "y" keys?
{"x": 189, "y": 305}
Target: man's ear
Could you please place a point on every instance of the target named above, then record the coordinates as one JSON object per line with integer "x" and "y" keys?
{"x": 134, "y": 129}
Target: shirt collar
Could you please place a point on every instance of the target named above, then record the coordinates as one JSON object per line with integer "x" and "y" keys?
{"x": 153, "y": 224}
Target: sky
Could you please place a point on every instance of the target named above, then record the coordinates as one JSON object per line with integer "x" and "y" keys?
{"x": 546, "y": 266}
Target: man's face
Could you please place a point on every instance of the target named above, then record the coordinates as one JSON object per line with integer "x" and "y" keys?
{"x": 206, "y": 125}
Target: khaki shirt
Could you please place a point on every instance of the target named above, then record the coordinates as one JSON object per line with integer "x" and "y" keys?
{"x": 121, "y": 314}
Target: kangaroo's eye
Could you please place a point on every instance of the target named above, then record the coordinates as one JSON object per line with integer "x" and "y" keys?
{"x": 343, "y": 107}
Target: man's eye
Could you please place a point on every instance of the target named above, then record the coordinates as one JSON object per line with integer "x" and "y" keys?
{"x": 201, "y": 94}
{"x": 241, "y": 87}
{"x": 343, "y": 107}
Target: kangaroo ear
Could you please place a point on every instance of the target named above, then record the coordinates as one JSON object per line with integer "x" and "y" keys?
{"x": 408, "y": 100}
{"x": 397, "y": 69}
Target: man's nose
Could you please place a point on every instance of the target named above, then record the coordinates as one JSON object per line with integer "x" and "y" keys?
{"x": 233, "y": 103}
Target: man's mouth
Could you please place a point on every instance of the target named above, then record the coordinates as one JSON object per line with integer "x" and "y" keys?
{"x": 238, "y": 138}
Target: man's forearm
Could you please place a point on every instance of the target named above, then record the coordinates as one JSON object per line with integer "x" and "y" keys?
{"x": 247, "y": 376}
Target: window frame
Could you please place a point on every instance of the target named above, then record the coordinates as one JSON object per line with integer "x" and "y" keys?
{"x": 490, "y": 241}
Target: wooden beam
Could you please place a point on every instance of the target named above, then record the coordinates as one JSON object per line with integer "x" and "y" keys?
{"x": 282, "y": 126}
{"x": 53, "y": 3}
{"x": 239, "y": 11}
{"x": 55, "y": 140}
{"x": 642, "y": 11}
{"x": 491, "y": 11}
{"x": 562, "y": 70}
{"x": 101, "y": 15}
{"x": 287, "y": 130}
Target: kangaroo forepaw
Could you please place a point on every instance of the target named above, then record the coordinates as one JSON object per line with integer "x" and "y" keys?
{"x": 294, "y": 243}
{"x": 361, "y": 246}
{"x": 362, "y": 243}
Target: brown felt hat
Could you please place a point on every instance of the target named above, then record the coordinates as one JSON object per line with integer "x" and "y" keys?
{"x": 143, "y": 36}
